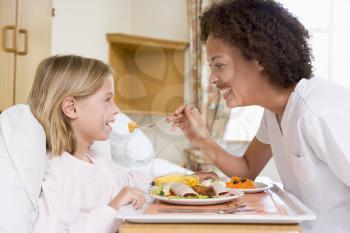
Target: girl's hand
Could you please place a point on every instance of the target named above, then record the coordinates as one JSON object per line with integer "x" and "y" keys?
{"x": 126, "y": 196}
{"x": 190, "y": 121}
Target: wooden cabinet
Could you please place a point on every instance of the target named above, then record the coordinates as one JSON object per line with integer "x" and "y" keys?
{"x": 149, "y": 73}
{"x": 25, "y": 27}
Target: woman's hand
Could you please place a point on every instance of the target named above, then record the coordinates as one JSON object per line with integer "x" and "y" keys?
{"x": 126, "y": 196}
{"x": 206, "y": 175}
{"x": 191, "y": 123}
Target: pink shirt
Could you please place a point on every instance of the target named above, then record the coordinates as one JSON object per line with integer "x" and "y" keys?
{"x": 75, "y": 195}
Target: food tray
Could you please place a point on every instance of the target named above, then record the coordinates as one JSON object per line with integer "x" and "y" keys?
{"x": 272, "y": 206}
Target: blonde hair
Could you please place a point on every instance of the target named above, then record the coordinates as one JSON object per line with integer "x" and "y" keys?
{"x": 56, "y": 78}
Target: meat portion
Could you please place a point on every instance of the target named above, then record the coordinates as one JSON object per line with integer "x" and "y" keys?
{"x": 205, "y": 191}
{"x": 183, "y": 190}
{"x": 220, "y": 190}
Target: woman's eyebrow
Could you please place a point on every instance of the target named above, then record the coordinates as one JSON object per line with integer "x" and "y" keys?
{"x": 215, "y": 57}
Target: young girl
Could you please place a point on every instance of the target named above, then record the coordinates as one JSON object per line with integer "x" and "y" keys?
{"x": 72, "y": 97}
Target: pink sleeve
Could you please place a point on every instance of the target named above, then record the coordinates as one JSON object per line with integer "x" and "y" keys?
{"x": 60, "y": 207}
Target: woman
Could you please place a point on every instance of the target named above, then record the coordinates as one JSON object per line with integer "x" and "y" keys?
{"x": 259, "y": 55}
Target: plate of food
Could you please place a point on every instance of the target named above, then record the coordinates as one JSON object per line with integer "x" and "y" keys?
{"x": 246, "y": 185}
{"x": 189, "y": 190}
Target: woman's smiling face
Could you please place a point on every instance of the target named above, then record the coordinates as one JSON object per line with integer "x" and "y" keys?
{"x": 237, "y": 77}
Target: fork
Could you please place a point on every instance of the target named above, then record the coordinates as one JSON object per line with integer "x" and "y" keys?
{"x": 152, "y": 124}
{"x": 156, "y": 122}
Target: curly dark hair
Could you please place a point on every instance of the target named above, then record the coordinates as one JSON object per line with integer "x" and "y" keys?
{"x": 263, "y": 30}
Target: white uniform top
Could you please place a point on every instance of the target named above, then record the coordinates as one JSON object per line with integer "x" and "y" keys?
{"x": 312, "y": 151}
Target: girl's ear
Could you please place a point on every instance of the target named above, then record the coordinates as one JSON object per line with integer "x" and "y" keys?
{"x": 69, "y": 106}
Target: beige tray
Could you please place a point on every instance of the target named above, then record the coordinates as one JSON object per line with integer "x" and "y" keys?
{"x": 272, "y": 206}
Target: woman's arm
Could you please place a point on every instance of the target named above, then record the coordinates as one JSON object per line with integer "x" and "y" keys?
{"x": 192, "y": 125}
{"x": 249, "y": 165}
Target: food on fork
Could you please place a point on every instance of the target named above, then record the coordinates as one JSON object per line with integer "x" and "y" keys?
{"x": 240, "y": 183}
{"x": 132, "y": 126}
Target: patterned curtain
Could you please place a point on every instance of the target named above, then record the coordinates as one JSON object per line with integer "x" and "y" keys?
{"x": 203, "y": 95}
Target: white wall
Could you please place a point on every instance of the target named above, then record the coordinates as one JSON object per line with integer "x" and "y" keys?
{"x": 80, "y": 26}
{"x": 165, "y": 19}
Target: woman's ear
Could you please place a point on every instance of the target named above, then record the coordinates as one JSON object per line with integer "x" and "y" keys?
{"x": 69, "y": 106}
{"x": 260, "y": 67}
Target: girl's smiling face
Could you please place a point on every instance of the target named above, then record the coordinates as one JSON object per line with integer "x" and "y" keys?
{"x": 95, "y": 114}
{"x": 237, "y": 77}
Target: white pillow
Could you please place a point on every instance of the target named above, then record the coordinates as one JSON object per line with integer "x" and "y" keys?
{"x": 22, "y": 165}
{"x": 102, "y": 148}
{"x": 129, "y": 149}
{"x": 135, "y": 152}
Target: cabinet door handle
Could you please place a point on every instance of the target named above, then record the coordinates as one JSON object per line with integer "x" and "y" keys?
{"x": 25, "y": 50}
{"x": 4, "y": 38}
